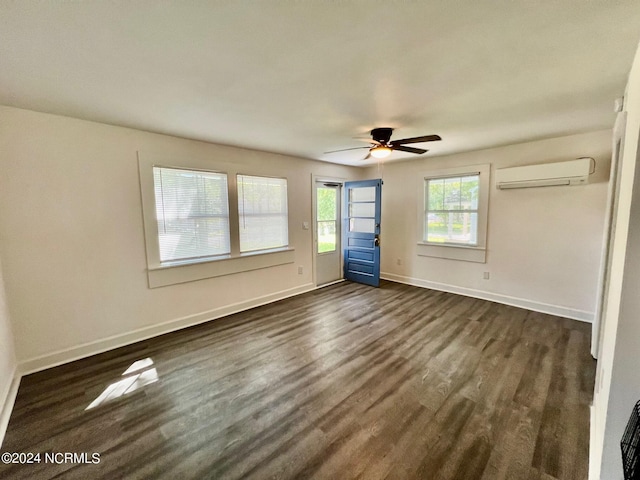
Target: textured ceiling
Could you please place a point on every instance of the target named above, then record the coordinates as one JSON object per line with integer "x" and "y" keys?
{"x": 303, "y": 77}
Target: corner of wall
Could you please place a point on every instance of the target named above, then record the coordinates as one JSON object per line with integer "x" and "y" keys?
{"x": 8, "y": 401}
{"x": 617, "y": 386}
{"x": 9, "y": 375}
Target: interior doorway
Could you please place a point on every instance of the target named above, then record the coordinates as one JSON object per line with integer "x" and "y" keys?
{"x": 328, "y": 245}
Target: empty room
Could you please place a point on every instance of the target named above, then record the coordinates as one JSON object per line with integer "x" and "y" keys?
{"x": 332, "y": 240}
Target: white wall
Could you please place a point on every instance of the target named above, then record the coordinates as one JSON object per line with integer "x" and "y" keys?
{"x": 71, "y": 237}
{"x": 7, "y": 362}
{"x": 617, "y": 379}
{"x": 543, "y": 245}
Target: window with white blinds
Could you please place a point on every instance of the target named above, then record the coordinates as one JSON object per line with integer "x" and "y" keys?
{"x": 192, "y": 211}
{"x": 262, "y": 213}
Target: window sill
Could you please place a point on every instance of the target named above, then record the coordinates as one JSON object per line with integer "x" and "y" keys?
{"x": 450, "y": 251}
{"x": 189, "y": 271}
{"x": 184, "y": 263}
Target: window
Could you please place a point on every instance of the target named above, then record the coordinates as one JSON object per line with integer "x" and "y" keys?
{"x": 203, "y": 221}
{"x": 451, "y": 209}
{"x": 262, "y": 213}
{"x": 192, "y": 211}
{"x": 452, "y": 217}
{"x": 362, "y": 210}
{"x": 327, "y": 218}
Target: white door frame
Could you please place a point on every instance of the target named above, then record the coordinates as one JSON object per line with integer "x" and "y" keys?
{"x": 609, "y": 228}
{"x": 314, "y": 242}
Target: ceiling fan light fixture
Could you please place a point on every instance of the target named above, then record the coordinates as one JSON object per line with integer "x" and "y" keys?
{"x": 380, "y": 152}
{"x": 381, "y": 146}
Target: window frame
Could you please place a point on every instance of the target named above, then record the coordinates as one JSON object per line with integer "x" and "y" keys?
{"x": 444, "y": 211}
{"x": 454, "y": 251}
{"x": 169, "y": 273}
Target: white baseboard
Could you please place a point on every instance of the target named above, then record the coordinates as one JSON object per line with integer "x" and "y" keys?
{"x": 557, "y": 310}
{"x": 331, "y": 283}
{"x": 92, "y": 348}
{"x": 8, "y": 398}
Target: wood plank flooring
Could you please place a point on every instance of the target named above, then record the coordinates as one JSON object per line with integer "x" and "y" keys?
{"x": 344, "y": 382}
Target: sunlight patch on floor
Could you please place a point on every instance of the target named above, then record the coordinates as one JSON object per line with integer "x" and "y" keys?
{"x": 145, "y": 376}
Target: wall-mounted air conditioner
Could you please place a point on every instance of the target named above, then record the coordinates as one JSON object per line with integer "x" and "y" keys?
{"x": 573, "y": 172}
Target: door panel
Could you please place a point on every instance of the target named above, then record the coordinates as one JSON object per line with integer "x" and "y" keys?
{"x": 328, "y": 238}
{"x": 362, "y": 231}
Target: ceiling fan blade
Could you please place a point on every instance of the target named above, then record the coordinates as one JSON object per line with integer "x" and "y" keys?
{"x": 368, "y": 140}
{"x": 419, "y": 151}
{"x": 345, "y": 149}
{"x": 368, "y": 156}
{"x": 426, "y": 138}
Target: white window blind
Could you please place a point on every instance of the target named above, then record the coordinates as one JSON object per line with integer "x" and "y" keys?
{"x": 262, "y": 212}
{"x": 192, "y": 210}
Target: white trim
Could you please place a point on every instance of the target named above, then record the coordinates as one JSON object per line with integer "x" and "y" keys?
{"x": 557, "y": 310}
{"x": 331, "y": 283}
{"x": 171, "y": 275}
{"x": 8, "y": 401}
{"x": 314, "y": 234}
{"x": 464, "y": 253}
{"x": 615, "y": 171}
{"x": 92, "y": 348}
{"x": 593, "y": 463}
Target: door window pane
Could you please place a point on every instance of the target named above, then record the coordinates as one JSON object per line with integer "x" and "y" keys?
{"x": 327, "y": 236}
{"x": 362, "y": 194}
{"x": 363, "y": 225}
{"x": 327, "y": 203}
{"x": 362, "y": 210}
{"x": 326, "y": 217}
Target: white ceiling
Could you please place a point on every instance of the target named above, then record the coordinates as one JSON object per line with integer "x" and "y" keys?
{"x": 304, "y": 77}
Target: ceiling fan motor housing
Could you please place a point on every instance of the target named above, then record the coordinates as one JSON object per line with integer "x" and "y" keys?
{"x": 382, "y": 135}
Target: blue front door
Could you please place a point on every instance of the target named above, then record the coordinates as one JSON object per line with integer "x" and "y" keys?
{"x": 362, "y": 231}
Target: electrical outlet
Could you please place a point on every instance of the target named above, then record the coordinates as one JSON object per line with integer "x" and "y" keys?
{"x": 485, "y": 275}
{"x": 399, "y": 261}
{"x": 300, "y": 270}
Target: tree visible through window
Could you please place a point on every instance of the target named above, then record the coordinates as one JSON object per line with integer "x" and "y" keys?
{"x": 451, "y": 210}
{"x": 327, "y": 219}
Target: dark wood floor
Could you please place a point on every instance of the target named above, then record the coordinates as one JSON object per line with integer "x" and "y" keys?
{"x": 345, "y": 382}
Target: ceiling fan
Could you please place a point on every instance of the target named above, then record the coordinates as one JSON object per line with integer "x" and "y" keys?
{"x": 382, "y": 145}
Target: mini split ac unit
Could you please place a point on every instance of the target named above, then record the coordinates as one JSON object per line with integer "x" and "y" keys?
{"x": 573, "y": 172}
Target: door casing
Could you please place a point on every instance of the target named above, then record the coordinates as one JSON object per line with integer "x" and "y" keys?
{"x": 316, "y": 179}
